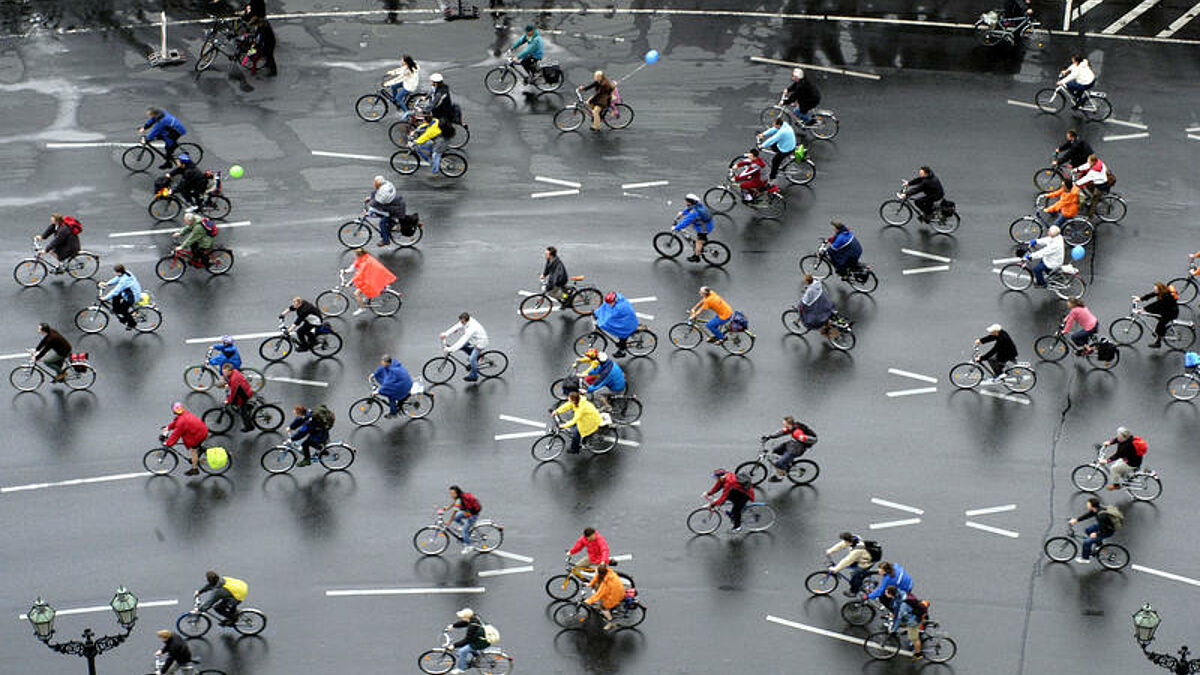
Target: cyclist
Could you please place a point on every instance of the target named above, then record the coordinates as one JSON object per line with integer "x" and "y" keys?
{"x": 721, "y": 310}
{"x": 1017, "y": 9}
{"x": 737, "y": 492}
{"x": 1079, "y": 316}
{"x": 188, "y": 428}
{"x": 308, "y": 320}
{"x": 385, "y": 202}
{"x": 584, "y": 421}
{"x": 1074, "y": 152}
{"x": 472, "y": 342}
{"x": 531, "y": 54}
{"x": 893, "y": 575}
{"x": 617, "y": 317}
{"x": 225, "y": 594}
{"x": 394, "y": 382}
{"x": 802, "y": 95}
{"x": 780, "y": 136}
{"x": 800, "y": 437}
{"x": 1104, "y": 527}
{"x": 697, "y": 216}
{"x": 162, "y": 125}
{"x": 428, "y": 136}
{"x": 602, "y": 99}
{"x": 1127, "y": 457}
{"x": 310, "y": 430}
{"x": 225, "y": 352}
{"x": 1096, "y": 180}
{"x": 816, "y": 307}
{"x": 63, "y": 234}
{"x": 1077, "y": 77}
{"x": 197, "y": 235}
{"x": 468, "y": 508}
{"x": 370, "y": 278}
{"x": 907, "y": 612}
{"x": 1050, "y": 254}
{"x": 441, "y": 105}
{"x": 862, "y": 557}
{"x": 605, "y": 373}
{"x": 240, "y": 393}
{"x": 748, "y": 174}
{"x": 610, "y": 591}
{"x": 594, "y": 542}
{"x": 473, "y": 641}
{"x": 1165, "y": 306}
{"x": 52, "y": 350}
{"x": 194, "y": 182}
{"x": 403, "y": 82}
{"x": 173, "y": 655}
{"x": 1000, "y": 355}
{"x": 554, "y": 274}
{"x": 123, "y": 291}
{"x": 923, "y": 190}
{"x": 844, "y": 250}
{"x": 1067, "y": 205}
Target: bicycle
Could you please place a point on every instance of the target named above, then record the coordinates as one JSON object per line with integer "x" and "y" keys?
{"x": 838, "y": 330}
{"x": 217, "y": 261}
{"x": 334, "y": 456}
{"x": 196, "y": 623}
{"x": 768, "y": 201}
{"x": 438, "y": 370}
{"x": 671, "y": 243}
{"x": 222, "y": 32}
{"x": 1055, "y": 346}
{"x": 1018, "y": 376}
{"x": 1092, "y": 104}
{"x": 824, "y": 124}
{"x": 76, "y": 373}
{"x": 140, "y": 156}
{"x": 1186, "y": 385}
{"x": 1064, "y": 549}
{"x": 374, "y": 107}
{"x": 265, "y": 416}
{"x": 1142, "y": 485}
{"x": 583, "y": 300}
{"x": 490, "y": 661}
{"x": 399, "y": 130}
{"x": 335, "y": 301}
{"x": 576, "y": 576}
{"x": 1076, "y": 231}
{"x": 824, "y": 582}
{"x": 1110, "y": 206}
{"x": 942, "y": 217}
{"x": 624, "y": 408}
{"x": 407, "y": 160}
{"x": 797, "y": 168}
{"x": 502, "y": 79}
{"x": 1066, "y": 282}
{"x": 1127, "y": 330}
{"x": 162, "y": 460}
{"x": 368, "y": 409}
{"x": 94, "y": 318}
{"x": 548, "y": 447}
{"x": 756, "y": 517}
{"x": 689, "y": 334}
{"x": 326, "y": 343}
{"x": 204, "y": 376}
{"x": 33, "y": 271}
{"x": 486, "y": 535}
{"x": 628, "y": 613}
{"x": 861, "y": 611}
{"x": 357, "y": 233}
{"x": 935, "y": 647}
{"x": 1186, "y": 286}
{"x": 641, "y": 342}
{"x": 992, "y": 29}
{"x": 800, "y": 472}
{"x": 184, "y": 669}
{"x": 570, "y": 118}
{"x": 860, "y": 276}
{"x": 168, "y": 204}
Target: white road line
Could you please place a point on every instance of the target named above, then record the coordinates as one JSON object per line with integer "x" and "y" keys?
{"x": 839, "y": 71}
{"x": 1006, "y": 397}
{"x": 1085, "y": 8}
{"x": 1005, "y": 261}
{"x": 993, "y": 530}
{"x": 893, "y": 523}
{"x": 648, "y": 317}
{"x": 552, "y": 193}
{"x": 1022, "y": 104}
{"x": 648, "y": 298}
{"x": 926, "y": 270}
{"x": 990, "y": 509}
{"x": 1194, "y": 137}
{"x": 348, "y": 155}
{"x": 1180, "y": 22}
{"x": 142, "y": 604}
{"x": 895, "y": 505}
{"x": 1166, "y": 575}
{"x": 632, "y": 444}
{"x": 144, "y": 233}
{"x": 558, "y": 181}
{"x": 243, "y": 336}
{"x": 650, "y": 183}
{"x": 522, "y": 420}
{"x": 911, "y": 392}
{"x": 1123, "y": 123}
{"x": 527, "y": 293}
{"x": 1129, "y": 17}
{"x": 624, "y": 557}
{"x": 74, "y": 481}
{"x": 996, "y": 270}
{"x": 292, "y": 380}
{"x": 516, "y": 435}
{"x": 825, "y": 633}
{"x": 922, "y": 254}
{"x": 915, "y": 376}
{"x": 99, "y": 144}
{"x": 1191, "y": 129}
{"x": 22, "y": 355}
{"x": 512, "y": 556}
{"x": 1126, "y": 137}
{"x": 506, "y": 570}
{"x": 358, "y": 592}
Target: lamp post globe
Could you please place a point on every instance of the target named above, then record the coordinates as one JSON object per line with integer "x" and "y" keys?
{"x": 41, "y": 617}
{"x": 124, "y": 605}
{"x": 1145, "y": 623}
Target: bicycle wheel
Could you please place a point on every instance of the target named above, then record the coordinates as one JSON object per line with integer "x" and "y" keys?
{"x": 773, "y": 208}
{"x": 1112, "y": 557}
{"x": 192, "y": 150}
{"x": 1024, "y": 229}
{"x": 208, "y": 469}
{"x": 1144, "y": 487}
{"x": 387, "y": 303}
{"x": 398, "y": 133}
{"x": 1110, "y": 208}
{"x": 91, "y": 319}
{"x": 800, "y": 173}
{"x": 170, "y": 268}
{"x": 863, "y": 282}
{"x": 793, "y": 324}
{"x": 822, "y": 582}
{"x": 279, "y": 459}
{"x": 438, "y": 370}
{"x": 562, "y": 586}
{"x": 486, "y": 537}
{"x": 824, "y": 126}
{"x": 208, "y": 53}
{"x": 938, "y": 648}
{"x": 492, "y": 363}
{"x": 1186, "y": 288}
{"x": 548, "y": 447}
{"x": 815, "y": 265}
{"x": 1047, "y": 179}
{"x": 417, "y": 406}
{"x": 163, "y": 208}
{"x": 704, "y": 520}
{"x": 83, "y": 265}
{"x": 26, "y": 377}
{"x": 1050, "y": 347}
{"x": 146, "y": 319}
{"x": 275, "y": 349}
{"x": 366, "y": 411}
{"x": 405, "y": 161}
{"x": 333, "y": 302}
{"x": 1034, "y": 38}
{"x": 642, "y": 343}
{"x": 841, "y": 338}
{"x": 1096, "y": 109}
{"x": 966, "y": 375}
{"x": 668, "y": 244}
{"x": 218, "y": 420}
{"x": 602, "y": 441}
{"x": 1077, "y": 232}
{"x": 719, "y": 200}
{"x": 30, "y": 272}
{"x": 625, "y": 409}
{"x": 461, "y": 136}
{"x": 499, "y": 80}
{"x": 354, "y": 234}
{"x": 536, "y": 307}
{"x": 80, "y": 377}
{"x": 408, "y": 240}
{"x": 430, "y": 540}
{"x": 629, "y": 617}
{"x": 882, "y": 646}
{"x": 753, "y": 468}
{"x": 803, "y": 471}
{"x": 250, "y": 622}
{"x": 268, "y": 417}
{"x": 1125, "y": 331}
{"x": 160, "y": 461}
{"x": 1049, "y": 100}
{"x": 769, "y": 114}
{"x": 1088, "y": 477}
{"x": 371, "y": 107}
{"x": 858, "y": 612}
{"x": 569, "y": 119}
{"x": 1016, "y": 277}
{"x": 327, "y": 345}
{"x": 1179, "y": 337}
{"x": 220, "y": 261}
{"x": 593, "y": 340}
{"x": 558, "y": 389}
{"x": 585, "y": 301}
{"x": 336, "y": 456}
{"x": 758, "y": 517}
{"x": 453, "y": 164}
{"x": 895, "y": 212}
{"x": 1183, "y": 387}
{"x": 193, "y": 624}
{"x": 540, "y": 83}
{"x": 1072, "y": 287}
{"x": 1094, "y": 359}
{"x": 715, "y": 253}
{"x": 571, "y": 615}
{"x": 436, "y": 661}
{"x": 945, "y": 223}
{"x": 738, "y": 342}
{"x": 217, "y": 207}
{"x": 1019, "y": 379}
{"x": 685, "y": 336}
{"x": 618, "y": 116}
{"x": 137, "y": 158}
{"x": 1060, "y": 549}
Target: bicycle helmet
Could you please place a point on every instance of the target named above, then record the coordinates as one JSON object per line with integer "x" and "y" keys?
{"x": 717, "y": 473}
{"x": 602, "y": 357}
{"x": 591, "y": 353}
{"x": 692, "y": 198}
{"x": 435, "y": 78}
{"x": 227, "y": 339}
{"x": 177, "y": 407}
{"x": 185, "y": 158}
{"x": 995, "y": 328}
{"x": 590, "y": 379}
{"x": 610, "y": 298}
{"x": 798, "y": 73}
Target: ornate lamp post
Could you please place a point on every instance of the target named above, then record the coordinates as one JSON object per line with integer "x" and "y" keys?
{"x": 124, "y": 605}
{"x": 1145, "y": 623}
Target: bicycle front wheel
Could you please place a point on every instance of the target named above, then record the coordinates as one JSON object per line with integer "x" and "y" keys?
{"x": 569, "y": 119}
{"x": 1125, "y": 331}
{"x": 548, "y": 447}
{"x": 170, "y": 268}
{"x": 30, "y": 272}
{"x": 405, "y": 161}
{"x": 279, "y": 459}
{"x": 536, "y": 307}
{"x": 431, "y": 540}
{"x": 366, "y": 411}
{"x": 668, "y": 244}
{"x": 571, "y": 615}
{"x": 895, "y": 212}
{"x": 208, "y": 54}
{"x": 163, "y": 208}
{"x": 275, "y": 349}
{"x": 499, "y": 80}
{"x": 758, "y": 517}
{"x": 1050, "y": 347}
{"x": 1016, "y": 277}
{"x": 1049, "y": 100}
{"x": 26, "y": 377}
{"x": 1060, "y": 549}
{"x": 1089, "y": 477}
{"x": 371, "y": 107}
{"x": 436, "y": 662}
{"x": 1047, "y": 179}
{"x": 685, "y": 336}
{"x": 354, "y": 234}
{"x": 562, "y": 586}
{"x": 966, "y": 375}
{"x": 858, "y": 613}
{"x": 718, "y": 199}
{"x": 1025, "y": 228}
{"x": 218, "y": 420}
{"x": 91, "y": 319}
{"x": 137, "y": 158}
{"x": 704, "y": 520}
{"x": 160, "y": 461}
{"x": 1183, "y": 387}
{"x": 882, "y": 646}
{"x": 193, "y": 624}
{"x": 815, "y": 265}
{"x": 792, "y": 322}
{"x": 822, "y": 582}
{"x": 333, "y": 303}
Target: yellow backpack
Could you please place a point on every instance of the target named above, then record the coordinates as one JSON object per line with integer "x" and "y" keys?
{"x": 237, "y": 588}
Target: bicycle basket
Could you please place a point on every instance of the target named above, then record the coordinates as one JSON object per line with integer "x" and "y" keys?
{"x": 800, "y": 153}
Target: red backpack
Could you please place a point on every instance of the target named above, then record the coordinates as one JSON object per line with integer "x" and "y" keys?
{"x": 1140, "y": 446}
{"x": 75, "y": 225}
{"x": 471, "y": 504}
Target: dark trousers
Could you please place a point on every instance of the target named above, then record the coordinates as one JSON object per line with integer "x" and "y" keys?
{"x": 306, "y": 334}
{"x": 529, "y": 64}
{"x": 241, "y": 403}
{"x": 1090, "y": 544}
{"x": 737, "y": 500}
{"x": 857, "y": 577}
{"x": 170, "y": 141}
{"x": 788, "y": 451}
{"x": 996, "y": 366}
{"x": 576, "y": 441}
{"x": 1164, "y": 320}
{"x": 122, "y": 306}
{"x": 776, "y": 161}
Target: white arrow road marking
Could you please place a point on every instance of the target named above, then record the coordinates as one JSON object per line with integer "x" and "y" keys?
{"x": 354, "y": 592}
{"x": 894, "y": 523}
{"x": 991, "y": 509}
{"x": 1166, "y": 575}
{"x": 912, "y": 392}
{"x": 512, "y": 556}
{"x": 926, "y": 270}
{"x": 993, "y": 530}
{"x": 915, "y": 376}
{"x": 558, "y": 181}
{"x": 899, "y": 507}
{"x": 522, "y": 420}
{"x": 506, "y": 570}
{"x": 923, "y": 254}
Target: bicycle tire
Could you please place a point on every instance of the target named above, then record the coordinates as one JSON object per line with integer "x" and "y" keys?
{"x": 758, "y": 517}
{"x": 792, "y": 322}
{"x": 275, "y": 349}
{"x": 163, "y": 208}
{"x": 1073, "y": 287}
{"x": 250, "y": 622}
{"x": 938, "y": 648}
{"x": 585, "y": 301}
{"x": 1113, "y": 557}
{"x": 704, "y": 520}
{"x": 220, "y": 261}
{"x": 1019, "y": 379}
{"x": 558, "y": 389}
{"x": 548, "y": 448}
{"x": 858, "y": 613}
{"x": 1099, "y": 113}
{"x": 1093, "y": 358}
{"x": 822, "y": 582}
{"x": 462, "y": 135}
{"x": 753, "y": 468}
{"x": 365, "y": 411}
{"x": 1179, "y": 337}
{"x": 405, "y": 161}
{"x": 738, "y": 343}
{"x": 536, "y": 307}
{"x": 622, "y": 119}
{"x": 568, "y": 119}
{"x": 327, "y": 345}
{"x": 1111, "y": 208}
{"x": 591, "y": 340}
{"x": 217, "y": 207}
{"x": 336, "y": 456}
{"x": 882, "y": 646}
{"x": 279, "y": 459}
{"x": 1144, "y": 487}
{"x": 1077, "y": 232}
{"x": 1025, "y": 228}
{"x": 1088, "y": 477}
{"x": 83, "y": 265}
{"x": 715, "y": 253}
{"x": 966, "y": 375}
{"x": 945, "y": 223}
{"x": 30, "y": 273}
{"x": 642, "y": 342}
{"x": 193, "y": 624}
{"x": 803, "y": 471}
{"x": 499, "y": 80}
{"x": 146, "y": 319}
{"x": 208, "y": 469}
{"x": 436, "y": 661}
{"x": 487, "y": 537}
{"x": 492, "y": 363}
{"x": 815, "y": 265}
{"x": 630, "y": 617}
{"x": 170, "y": 268}
{"x": 685, "y": 336}
{"x": 1186, "y": 287}
{"x": 866, "y": 285}
{"x": 1047, "y": 179}
{"x": 1049, "y": 100}
{"x": 371, "y": 107}
{"x": 571, "y": 615}
{"x": 208, "y": 54}
{"x": 539, "y": 82}
{"x": 192, "y": 150}
{"x": 825, "y": 126}
{"x": 1125, "y": 331}
{"x": 268, "y": 417}
{"x": 718, "y": 199}
{"x": 439, "y": 369}
{"x": 1060, "y": 549}
{"x": 768, "y": 115}
{"x": 218, "y": 420}
{"x": 1183, "y": 387}
{"x": 1016, "y": 277}
{"x": 91, "y": 319}
{"x": 453, "y": 164}
{"x": 668, "y": 244}
{"x": 626, "y": 409}
{"x": 772, "y": 209}
{"x": 354, "y": 234}
{"x": 562, "y": 587}
{"x": 80, "y": 377}
{"x": 1034, "y": 38}
{"x": 387, "y": 303}
{"x": 137, "y": 158}
{"x": 26, "y": 377}
{"x": 1050, "y": 347}
{"x": 800, "y": 173}
{"x": 431, "y": 540}
{"x": 160, "y": 461}
{"x": 895, "y": 212}
{"x": 602, "y": 441}
{"x": 417, "y": 406}
{"x": 841, "y": 339}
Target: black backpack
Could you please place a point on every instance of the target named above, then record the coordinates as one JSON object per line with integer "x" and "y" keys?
{"x": 873, "y": 549}
{"x": 745, "y": 480}
{"x": 324, "y": 417}
{"x": 1106, "y": 350}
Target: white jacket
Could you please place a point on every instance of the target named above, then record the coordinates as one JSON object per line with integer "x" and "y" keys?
{"x": 1051, "y": 253}
{"x": 1097, "y": 174}
{"x": 1080, "y": 74}
{"x": 472, "y": 334}
{"x": 409, "y": 79}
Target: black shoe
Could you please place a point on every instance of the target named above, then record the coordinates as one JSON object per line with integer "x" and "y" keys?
{"x": 247, "y": 428}
{"x": 390, "y": 415}
{"x": 302, "y": 348}
{"x": 619, "y": 354}
{"x": 272, "y": 73}
{"x": 165, "y": 165}
{"x": 693, "y": 258}
{"x": 304, "y": 462}
{"x": 191, "y": 472}
{"x": 471, "y": 378}
{"x": 775, "y": 479}
{"x": 849, "y": 593}
{"x": 1155, "y": 345}
{"x": 228, "y": 623}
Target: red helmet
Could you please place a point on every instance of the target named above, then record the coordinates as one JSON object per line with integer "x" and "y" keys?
{"x": 610, "y": 298}
{"x": 590, "y": 379}
{"x": 717, "y": 473}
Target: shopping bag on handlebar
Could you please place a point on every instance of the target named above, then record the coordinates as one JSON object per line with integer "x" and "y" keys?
{"x": 217, "y": 457}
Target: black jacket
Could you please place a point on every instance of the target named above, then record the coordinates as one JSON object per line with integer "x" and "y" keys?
{"x": 474, "y": 636}
{"x": 1016, "y": 8}
{"x": 60, "y": 241}
{"x": 52, "y": 340}
{"x": 555, "y": 272}
{"x": 305, "y": 310}
{"x": 177, "y": 652}
{"x": 803, "y": 93}
{"x": 1074, "y": 152}
{"x": 930, "y": 187}
{"x": 1167, "y": 306}
{"x": 1126, "y": 452}
{"x": 1102, "y": 519}
{"x": 1004, "y": 350}
{"x": 440, "y": 105}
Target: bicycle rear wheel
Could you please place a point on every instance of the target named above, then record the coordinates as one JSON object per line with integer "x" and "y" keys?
{"x": 208, "y": 54}
{"x": 800, "y": 173}
{"x": 738, "y": 342}
{"x": 1096, "y": 109}
{"x": 1144, "y": 487}
{"x": 1112, "y": 557}
{"x": 1110, "y": 208}
{"x": 625, "y": 409}
{"x": 803, "y": 471}
{"x": 83, "y": 265}
{"x": 387, "y": 303}
{"x": 1019, "y": 379}
{"x": 146, "y": 319}
{"x": 938, "y": 648}
{"x": 327, "y": 345}
{"x": 585, "y": 301}
{"x": 1179, "y": 337}
{"x": 825, "y": 126}
{"x": 486, "y": 537}
{"x": 268, "y": 417}
{"x": 715, "y": 253}
{"x": 758, "y": 517}
{"x": 618, "y": 116}
{"x": 1077, "y": 232}
{"x": 643, "y": 342}
{"x": 492, "y": 363}
{"x": 602, "y": 441}
{"x": 336, "y": 456}
{"x": 191, "y": 150}
{"x": 417, "y": 406}
{"x": 1016, "y": 277}
{"x": 453, "y": 164}
{"x": 206, "y": 468}
{"x": 160, "y": 461}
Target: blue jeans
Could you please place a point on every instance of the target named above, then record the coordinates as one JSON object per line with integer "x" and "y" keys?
{"x": 1077, "y": 89}
{"x": 1080, "y": 337}
{"x": 1059, "y": 220}
{"x": 435, "y": 146}
{"x": 1039, "y": 273}
{"x": 857, "y": 577}
{"x": 400, "y": 97}
{"x": 385, "y": 229}
{"x": 465, "y": 654}
{"x": 804, "y": 117}
{"x": 473, "y": 353}
{"x": 466, "y": 521}
{"x": 714, "y": 326}
{"x": 1089, "y": 543}
{"x": 394, "y": 404}
{"x": 576, "y": 441}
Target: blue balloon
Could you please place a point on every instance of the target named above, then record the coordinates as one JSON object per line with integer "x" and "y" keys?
{"x": 652, "y": 56}
{"x": 1077, "y": 253}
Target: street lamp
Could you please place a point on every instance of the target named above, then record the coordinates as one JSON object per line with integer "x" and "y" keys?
{"x": 124, "y": 605}
{"x": 1145, "y": 623}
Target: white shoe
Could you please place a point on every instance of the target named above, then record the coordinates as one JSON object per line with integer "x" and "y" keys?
{"x": 1081, "y": 561}
{"x": 456, "y": 670}
{"x": 360, "y": 310}
{"x": 467, "y": 549}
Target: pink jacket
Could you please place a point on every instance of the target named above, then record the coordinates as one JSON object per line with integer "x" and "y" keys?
{"x": 1082, "y": 316}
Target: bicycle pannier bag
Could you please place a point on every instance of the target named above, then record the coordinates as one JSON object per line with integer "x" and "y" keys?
{"x": 324, "y": 417}
{"x": 217, "y": 457}
{"x": 948, "y": 207}
{"x": 79, "y": 361}
{"x": 552, "y": 73}
{"x": 408, "y": 224}
{"x": 873, "y": 549}
{"x": 490, "y": 632}
{"x": 738, "y": 322}
{"x": 1118, "y": 518}
{"x": 1106, "y": 350}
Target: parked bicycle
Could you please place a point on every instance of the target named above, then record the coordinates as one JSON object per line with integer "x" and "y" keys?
{"x": 1018, "y": 376}
{"x": 33, "y": 271}
{"x": 756, "y": 517}
{"x": 374, "y": 107}
{"x": 801, "y": 471}
{"x": 1127, "y": 330}
{"x": 797, "y": 168}
{"x": 398, "y": 133}
{"x": 860, "y": 276}
{"x": 548, "y": 447}
{"x": 628, "y": 613}
{"x": 576, "y": 576}
{"x": 335, "y": 301}
{"x": 334, "y": 456}
{"x": 162, "y": 460}
{"x": 357, "y": 233}
{"x": 823, "y": 123}
{"x": 231, "y": 37}
{"x": 326, "y": 343}
{"x": 195, "y": 623}
{"x": 489, "y": 661}
{"x": 1077, "y": 231}
{"x": 368, "y": 409}
{"x": 583, "y": 300}
{"x": 216, "y": 261}
{"x": 94, "y": 318}
{"x": 642, "y": 342}
{"x": 265, "y": 416}
{"x": 1142, "y": 485}
{"x": 204, "y": 376}
{"x": 1186, "y": 286}
{"x": 407, "y": 160}
{"x": 439, "y": 369}
{"x": 942, "y": 218}
{"x": 486, "y": 535}
{"x": 570, "y": 118}
{"x": 1093, "y": 105}
{"x": 689, "y": 334}
{"x": 824, "y": 582}
{"x": 1111, "y": 556}
{"x": 935, "y": 647}
{"x": 624, "y": 408}
{"x": 1098, "y": 350}
{"x": 1066, "y": 282}
{"x": 993, "y": 29}
{"x": 168, "y": 203}
{"x": 670, "y": 244}
{"x": 502, "y": 79}
{"x": 76, "y": 373}
{"x": 767, "y": 202}
{"x": 144, "y": 154}
{"x": 839, "y": 331}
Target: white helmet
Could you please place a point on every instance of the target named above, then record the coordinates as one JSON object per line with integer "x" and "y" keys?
{"x": 691, "y": 197}
{"x": 995, "y": 328}
{"x": 798, "y": 73}
{"x": 435, "y": 78}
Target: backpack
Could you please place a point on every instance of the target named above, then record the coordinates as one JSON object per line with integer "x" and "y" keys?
{"x": 75, "y": 226}
{"x": 1106, "y": 350}
{"x": 324, "y": 417}
{"x": 209, "y": 225}
{"x": 1112, "y": 177}
{"x": 217, "y": 457}
{"x": 873, "y": 549}
{"x": 745, "y": 481}
{"x": 552, "y": 73}
{"x": 1140, "y": 446}
{"x": 456, "y": 114}
{"x": 738, "y": 322}
{"x": 491, "y": 633}
{"x": 471, "y": 504}
{"x": 237, "y": 588}
{"x": 1114, "y": 514}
